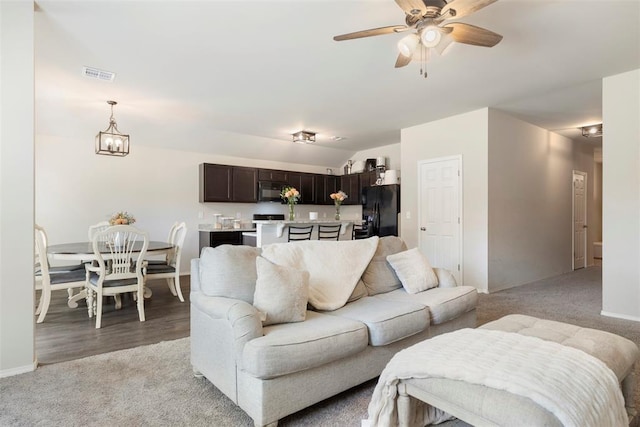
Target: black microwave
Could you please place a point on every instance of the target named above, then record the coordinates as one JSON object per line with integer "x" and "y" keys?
{"x": 269, "y": 191}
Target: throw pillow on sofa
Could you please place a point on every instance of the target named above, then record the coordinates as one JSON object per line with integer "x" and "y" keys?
{"x": 229, "y": 271}
{"x": 379, "y": 277}
{"x": 281, "y": 293}
{"x": 414, "y": 271}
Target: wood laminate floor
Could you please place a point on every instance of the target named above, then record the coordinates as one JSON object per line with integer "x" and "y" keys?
{"x": 68, "y": 333}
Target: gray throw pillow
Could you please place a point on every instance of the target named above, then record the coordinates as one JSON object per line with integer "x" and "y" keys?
{"x": 414, "y": 271}
{"x": 379, "y": 277}
{"x": 229, "y": 271}
{"x": 281, "y": 293}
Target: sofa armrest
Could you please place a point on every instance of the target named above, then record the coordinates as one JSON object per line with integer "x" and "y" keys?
{"x": 243, "y": 318}
{"x": 445, "y": 278}
{"x": 195, "y": 275}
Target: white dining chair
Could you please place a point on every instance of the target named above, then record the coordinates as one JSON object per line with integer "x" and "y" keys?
{"x": 169, "y": 268}
{"x": 50, "y": 278}
{"x": 93, "y": 229}
{"x": 119, "y": 270}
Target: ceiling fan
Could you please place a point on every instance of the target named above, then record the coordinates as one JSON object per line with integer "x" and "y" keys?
{"x": 433, "y": 31}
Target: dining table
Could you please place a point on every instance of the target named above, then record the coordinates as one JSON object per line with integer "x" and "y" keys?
{"x": 83, "y": 251}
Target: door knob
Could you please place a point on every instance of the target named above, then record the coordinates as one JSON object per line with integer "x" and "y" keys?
{"x": 423, "y": 229}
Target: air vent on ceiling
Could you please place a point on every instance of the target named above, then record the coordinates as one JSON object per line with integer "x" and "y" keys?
{"x": 94, "y": 73}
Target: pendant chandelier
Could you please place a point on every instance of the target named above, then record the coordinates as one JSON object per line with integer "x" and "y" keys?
{"x": 111, "y": 142}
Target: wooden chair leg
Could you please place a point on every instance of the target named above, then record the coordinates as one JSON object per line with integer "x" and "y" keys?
{"x": 89, "y": 298}
{"x": 172, "y": 286}
{"x": 118, "y": 299}
{"x": 176, "y": 284}
{"x": 99, "y": 311}
{"x": 141, "y": 308}
{"x": 40, "y": 303}
{"x": 46, "y": 294}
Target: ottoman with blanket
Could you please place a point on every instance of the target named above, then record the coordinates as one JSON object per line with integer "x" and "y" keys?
{"x": 515, "y": 371}
{"x": 280, "y": 328}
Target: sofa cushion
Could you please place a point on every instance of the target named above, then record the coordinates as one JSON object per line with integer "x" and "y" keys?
{"x": 379, "y": 277}
{"x": 229, "y": 271}
{"x": 281, "y": 293}
{"x": 387, "y": 321}
{"x": 413, "y": 270}
{"x": 444, "y": 304}
{"x": 294, "y": 347}
{"x": 359, "y": 291}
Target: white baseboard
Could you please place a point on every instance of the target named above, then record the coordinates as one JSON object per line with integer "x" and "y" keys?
{"x": 19, "y": 370}
{"x": 620, "y": 316}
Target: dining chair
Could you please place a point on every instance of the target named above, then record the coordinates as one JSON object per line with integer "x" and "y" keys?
{"x": 299, "y": 233}
{"x": 169, "y": 268}
{"x": 93, "y": 229}
{"x": 49, "y": 278}
{"x": 119, "y": 270}
{"x": 329, "y": 232}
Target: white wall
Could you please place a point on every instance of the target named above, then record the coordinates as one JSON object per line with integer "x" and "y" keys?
{"x": 17, "y": 323}
{"x": 621, "y": 196}
{"x": 465, "y": 134}
{"x": 530, "y": 201}
{"x": 76, "y": 188}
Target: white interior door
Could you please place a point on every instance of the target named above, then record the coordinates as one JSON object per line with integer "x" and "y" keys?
{"x": 440, "y": 213}
{"x": 579, "y": 220}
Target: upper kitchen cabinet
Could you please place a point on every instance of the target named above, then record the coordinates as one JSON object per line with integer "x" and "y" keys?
{"x": 224, "y": 183}
{"x": 244, "y": 186}
{"x": 304, "y": 183}
{"x": 273, "y": 175}
{"x": 215, "y": 183}
{"x": 350, "y": 184}
{"x": 324, "y": 186}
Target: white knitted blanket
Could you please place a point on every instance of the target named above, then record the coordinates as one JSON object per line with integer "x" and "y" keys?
{"x": 334, "y": 266}
{"x": 579, "y": 389}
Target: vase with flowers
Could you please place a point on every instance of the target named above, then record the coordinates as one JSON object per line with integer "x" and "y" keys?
{"x": 290, "y": 195}
{"x": 338, "y": 198}
{"x": 121, "y": 218}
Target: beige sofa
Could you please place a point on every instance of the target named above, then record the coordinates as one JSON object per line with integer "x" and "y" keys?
{"x": 276, "y": 370}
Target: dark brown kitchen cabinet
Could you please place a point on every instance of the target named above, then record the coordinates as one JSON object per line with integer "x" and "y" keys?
{"x": 367, "y": 179}
{"x": 224, "y": 183}
{"x": 324, "y": 186}
{"x": 273, "y": 175}
{"x": 217, "y": 238}
{"x": 215, "y": 183}
{"x": 304, "y": 183}
{"x": 350, "y": 184}
{"x": 244, "y": 186}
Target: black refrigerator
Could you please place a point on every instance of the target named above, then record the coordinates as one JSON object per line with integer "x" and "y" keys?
{"x": 380, "y": 209}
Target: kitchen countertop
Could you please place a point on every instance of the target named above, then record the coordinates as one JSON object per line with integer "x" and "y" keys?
{"x": 210, "y": 228}
{"x": 305, "y": 221}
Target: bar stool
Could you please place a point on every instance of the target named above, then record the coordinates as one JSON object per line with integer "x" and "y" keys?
{"x": 299, "y": 233}
{"x": 329, "y": 232}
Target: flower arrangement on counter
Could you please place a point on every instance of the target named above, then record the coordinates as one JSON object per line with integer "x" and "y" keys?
{"x": 338, "y": 198}
{"x": 122, "y": 218}
{"x": 291, "y": 196}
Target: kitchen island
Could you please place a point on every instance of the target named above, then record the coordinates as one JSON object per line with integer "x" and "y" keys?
{"x": 273, "y": 231}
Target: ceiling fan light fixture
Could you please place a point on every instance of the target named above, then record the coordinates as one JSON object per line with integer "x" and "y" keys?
{"x": 304, "y": 137}
{"x": 430, "y": 36}
{"x": 408, "y": 44}
{"x": 592, "y": 131}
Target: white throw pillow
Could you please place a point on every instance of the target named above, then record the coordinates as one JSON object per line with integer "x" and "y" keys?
{"x": 229, "y": 271}
{"x": 413, "y": 270}
{"x": 281, "y": 293}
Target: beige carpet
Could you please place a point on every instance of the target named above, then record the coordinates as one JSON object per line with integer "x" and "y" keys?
{"x": 154, "y": 386}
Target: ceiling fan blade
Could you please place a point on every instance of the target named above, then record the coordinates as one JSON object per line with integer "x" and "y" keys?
{"x": 371, "y": 32}
{"x": 470, "y": 34}
{"x": 412, "y": 7}
{"x": 463, "y": 7}
{"x": 402, "y": 61}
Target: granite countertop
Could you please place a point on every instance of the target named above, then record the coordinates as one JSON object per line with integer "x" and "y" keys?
{"x": 210, "y": 228}
{"x": 305, "y": 221}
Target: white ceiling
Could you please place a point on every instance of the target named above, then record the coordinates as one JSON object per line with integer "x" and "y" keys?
{"x": 237, "y": 77}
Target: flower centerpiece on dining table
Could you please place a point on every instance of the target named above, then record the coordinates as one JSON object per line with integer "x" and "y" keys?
{"x": 338, "y": 198}
{"x": 122, "y": 218}
{"x": 291, "y": 196}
